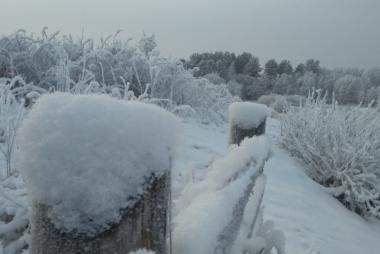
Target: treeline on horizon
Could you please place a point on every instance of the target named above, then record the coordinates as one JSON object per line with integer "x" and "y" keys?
{"x": 52, "y": 62}
{"x": 249, "y": 79}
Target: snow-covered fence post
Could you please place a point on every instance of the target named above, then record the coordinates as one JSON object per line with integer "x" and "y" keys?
{"x": 247, "y": 119}
{"x": 142, "y": 226}
{"x": 98, "y": 174}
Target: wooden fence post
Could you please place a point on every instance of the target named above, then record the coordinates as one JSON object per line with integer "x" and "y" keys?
{"x": 142, "y": 226}
{"x": 98, "y": 172}
{"x": 246, "y": 120}
{"x": 238, "y": 134}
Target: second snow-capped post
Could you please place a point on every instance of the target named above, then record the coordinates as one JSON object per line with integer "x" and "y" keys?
{"x": 246, "y": 119}
{"x": 98, "y": 174}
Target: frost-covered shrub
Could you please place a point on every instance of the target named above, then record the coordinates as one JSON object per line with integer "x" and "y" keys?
{"x": 206, "y": 97}
{"x": 295, "y": 100}
{"x": 234, "y": 88}
{"x": 340, "y": 147}
{"x": 12, "y": 93}
{"x": 55, "y": 63}
{"x": 214, "y": 78}
{"x": 277, "y": 102}
{"x": 97, "y": 152}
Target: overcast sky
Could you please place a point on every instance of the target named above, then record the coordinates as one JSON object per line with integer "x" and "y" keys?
{"x": 338, "y": 32}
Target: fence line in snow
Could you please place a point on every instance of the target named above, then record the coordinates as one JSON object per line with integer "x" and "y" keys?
{"x": 246, "y": 121}
{"x": 145, "y": 224}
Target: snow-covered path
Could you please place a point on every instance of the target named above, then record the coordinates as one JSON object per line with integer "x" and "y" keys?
{"x": 313, "y": 221}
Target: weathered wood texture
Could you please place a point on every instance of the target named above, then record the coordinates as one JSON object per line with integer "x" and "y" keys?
{"x": 143, "y": 226}
{"x": 237, "y": 134}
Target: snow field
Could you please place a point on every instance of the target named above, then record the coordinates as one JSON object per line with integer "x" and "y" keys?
{"x": 313, "y": 222}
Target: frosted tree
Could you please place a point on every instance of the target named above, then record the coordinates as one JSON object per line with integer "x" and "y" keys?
{"x": 300, "y": 69}
{"x": 252, "y": 68}
{"x": 283, "y": 84}
{"x": 347, "y": 89}
{"x": 306, "y": 83}
{"x": 313, "y": 66}
{"x": 285, "y": 67}
{"x": 271, "y": 68}
{"x": 241, "y": 61}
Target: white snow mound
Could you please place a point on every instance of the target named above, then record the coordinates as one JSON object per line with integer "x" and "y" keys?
{"x": 247, "y": 115}
{"x": 87, "y": 156}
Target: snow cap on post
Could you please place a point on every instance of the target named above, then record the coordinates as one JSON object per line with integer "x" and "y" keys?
{"x": 247, "y": 119}
{"x": 88, "y": 157}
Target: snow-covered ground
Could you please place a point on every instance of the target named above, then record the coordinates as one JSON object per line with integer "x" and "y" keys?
{"x": 312, "y": 221}
{"x": 200, "y": 145}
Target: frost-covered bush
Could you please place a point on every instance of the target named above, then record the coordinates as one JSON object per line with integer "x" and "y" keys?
{"x": 295, "y": 100}
{"x": 175, "y": 89}
{"x": 340, "y": 147}
{"x": 97, "y": 152}
{"x": 277, "y": 102}
{"x": 214, "y": 78}
{"x": 12, "y": 94}
{"x": 114, "y": 67}
{"x": 206, "y": 97}
{"x": 15, "y": 95}
{"x": 234, "y": 88}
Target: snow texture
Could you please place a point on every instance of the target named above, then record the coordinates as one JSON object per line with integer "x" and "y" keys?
{"x": 89, "y": 156}
{"x": 247, "y": 115}
{"x": 208, "y": 207}
{"x": 13, "y": 215}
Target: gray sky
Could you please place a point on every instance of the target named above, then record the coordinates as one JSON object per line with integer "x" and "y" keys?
{"x": 337, "y": 32}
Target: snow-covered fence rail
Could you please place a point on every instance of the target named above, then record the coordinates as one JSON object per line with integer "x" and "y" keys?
{"x": 98, "y": 174}
{"x": 212, "y": 211}
{"x": 247, "y": 119}
{"x": 221, "y": 214}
